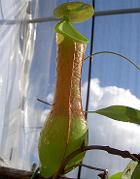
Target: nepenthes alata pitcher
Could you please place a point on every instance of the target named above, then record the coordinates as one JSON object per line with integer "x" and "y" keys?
{"x": 65, "y": 129}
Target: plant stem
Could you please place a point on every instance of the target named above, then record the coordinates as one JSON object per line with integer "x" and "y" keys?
{"x": 117, "y": 54}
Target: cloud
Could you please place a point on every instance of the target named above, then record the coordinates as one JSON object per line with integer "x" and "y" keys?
{"x": 105, "y": 96}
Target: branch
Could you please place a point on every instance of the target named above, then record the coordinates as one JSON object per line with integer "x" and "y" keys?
{"x": 110, "y": 150}
{"x": 45, "y": 102}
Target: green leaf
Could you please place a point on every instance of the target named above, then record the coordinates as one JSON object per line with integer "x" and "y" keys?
{"x": 120, "y": 113}
{"x": 136, "y": 173}
{"x": 116, "y": 176}
{"x": 74, "y": 11}
{"x": 67, "y": 29}
{"x": 132, "y": 171}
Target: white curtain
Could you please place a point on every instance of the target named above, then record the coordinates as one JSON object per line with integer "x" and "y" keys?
{"x": 17, "y": 39}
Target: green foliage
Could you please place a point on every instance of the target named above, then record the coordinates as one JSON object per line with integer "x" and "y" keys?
{"x": 132, "y": 171}
{"x": 116, "y": 176}
{"x": 136, "y": 173}
{"x": 120, "y": 113}
{"x": 67, "y": 30}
